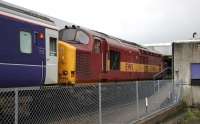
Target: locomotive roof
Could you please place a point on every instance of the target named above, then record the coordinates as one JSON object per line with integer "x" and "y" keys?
{"x": 115, "y": 38}
{"x": 124, "y": 42}
{"x": 27, "y": 14}
{"x": 116, "y": 41}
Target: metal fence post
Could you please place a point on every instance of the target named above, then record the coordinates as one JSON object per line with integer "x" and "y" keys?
{"x": 158, "y": 86}
{"x": 16, "y": 105}
{"x": 100, "y": 105}
{"x": 158, "y": 93}
{"x": 174, "y": 92}
{"x": 181, "y": 86}
{"x": 137, "y": 100}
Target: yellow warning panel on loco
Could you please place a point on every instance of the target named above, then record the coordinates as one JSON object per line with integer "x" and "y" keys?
{"x": 67, "y": 63}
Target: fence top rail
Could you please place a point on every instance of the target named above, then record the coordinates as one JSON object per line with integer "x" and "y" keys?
{"x": 87, "y": 85}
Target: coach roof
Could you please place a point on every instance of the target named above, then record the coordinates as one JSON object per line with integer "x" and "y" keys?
{"x": 26, "y": 15}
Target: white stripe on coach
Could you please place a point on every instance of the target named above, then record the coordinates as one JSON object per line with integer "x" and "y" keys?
{"x": 14, "y": 64}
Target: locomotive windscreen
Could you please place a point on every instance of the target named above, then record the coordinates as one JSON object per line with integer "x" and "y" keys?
{"x": 67, "y": 34}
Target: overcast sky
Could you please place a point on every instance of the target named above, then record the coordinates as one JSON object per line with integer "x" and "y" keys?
{"x": 141, "y": 21}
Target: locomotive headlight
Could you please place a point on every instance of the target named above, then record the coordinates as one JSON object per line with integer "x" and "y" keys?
{"x": 72, "y": 73}
{"x": 65, "y": 72}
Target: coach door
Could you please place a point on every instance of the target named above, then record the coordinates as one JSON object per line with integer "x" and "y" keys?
{"x": 51, "y": 56}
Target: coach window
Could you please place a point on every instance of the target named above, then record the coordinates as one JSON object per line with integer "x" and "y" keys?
{"x": 25, "y": 42}
{"x": 53, "y": 46}
{"x": 114, "y": 60}
{"x": 97, "y": 46}
{"x": 82, "y": 37}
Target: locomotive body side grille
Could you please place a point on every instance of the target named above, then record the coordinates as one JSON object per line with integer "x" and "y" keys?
{"x": 83, "y": 65}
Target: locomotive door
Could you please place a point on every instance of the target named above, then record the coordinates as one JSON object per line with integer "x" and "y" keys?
{"x": 51, "y": 37}
{"x": 100, "y": 50}
{"x": 104, "y": 49}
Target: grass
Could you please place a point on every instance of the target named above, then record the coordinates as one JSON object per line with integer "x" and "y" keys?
{"x": 192, "y": 116}
{"x": 184, "y": 115}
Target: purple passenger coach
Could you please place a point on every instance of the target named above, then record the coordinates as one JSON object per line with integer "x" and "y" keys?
{"x": 28, "y": 50}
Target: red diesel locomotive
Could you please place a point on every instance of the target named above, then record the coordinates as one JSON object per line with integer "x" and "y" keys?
{"x": 89, "y": 56}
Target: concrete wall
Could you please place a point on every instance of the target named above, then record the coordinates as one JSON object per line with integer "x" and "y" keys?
{"x": 185, "y": 53}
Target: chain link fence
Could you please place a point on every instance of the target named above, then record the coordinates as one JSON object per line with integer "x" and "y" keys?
{"x": 100, "y": 103}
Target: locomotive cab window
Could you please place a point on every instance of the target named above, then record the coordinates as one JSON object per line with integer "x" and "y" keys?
{"x": 82, "y": 37}
{"x": 114, "y": 60}
{"x": 97, "y": 46}
{"x": 53, "y": 46}
{"x": 25, "y": 42}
